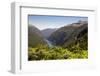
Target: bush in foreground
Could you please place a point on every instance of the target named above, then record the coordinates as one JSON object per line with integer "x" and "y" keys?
{"x": 54, "y": 53}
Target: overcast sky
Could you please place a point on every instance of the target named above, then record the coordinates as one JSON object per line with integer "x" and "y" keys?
{"x": 43, "y": 22}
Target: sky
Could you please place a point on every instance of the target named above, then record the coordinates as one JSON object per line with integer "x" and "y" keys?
{"x": 46, "y": 21}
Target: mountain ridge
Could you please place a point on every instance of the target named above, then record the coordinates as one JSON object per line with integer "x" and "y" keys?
{"x": 68, "y": 34}
{"x": 35, "y": 36}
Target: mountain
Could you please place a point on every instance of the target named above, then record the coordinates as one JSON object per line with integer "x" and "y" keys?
{"x": 71, "y": 35}
{"x": 79, "y": 38}
{"x": 35, "y": 37}
{"x": 47, "y": 32}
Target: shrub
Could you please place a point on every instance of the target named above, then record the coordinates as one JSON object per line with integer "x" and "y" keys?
{"x": 45, "y": 53}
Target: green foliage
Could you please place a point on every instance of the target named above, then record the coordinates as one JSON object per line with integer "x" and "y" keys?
{"x": 78, "y": 45}
{"x": 46, "y": 53}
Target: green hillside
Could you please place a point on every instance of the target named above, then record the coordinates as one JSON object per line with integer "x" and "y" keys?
{"x": 70, "y": 36}
{"x": 35, "y": 37}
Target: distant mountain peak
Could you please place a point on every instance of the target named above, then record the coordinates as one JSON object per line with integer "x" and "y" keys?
{"x": 47, "y": 32}
{"x": 77, "y": 24}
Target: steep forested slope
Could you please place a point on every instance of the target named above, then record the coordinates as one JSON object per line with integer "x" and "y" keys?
{"x": 35, "y": 37}
{"x": 71, "y": 35}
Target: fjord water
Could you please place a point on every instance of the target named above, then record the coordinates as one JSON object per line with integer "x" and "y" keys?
{"x": 49, "y": 43}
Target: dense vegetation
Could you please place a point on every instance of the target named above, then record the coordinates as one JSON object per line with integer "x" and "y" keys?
{"x": 56, "y": 52}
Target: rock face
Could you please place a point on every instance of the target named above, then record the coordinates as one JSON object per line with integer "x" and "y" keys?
{"x": 35, "y": 37}
{"x": 71, "y": 35}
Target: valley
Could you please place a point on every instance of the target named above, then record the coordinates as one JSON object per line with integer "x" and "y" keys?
{"x": 67, "y": 42}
